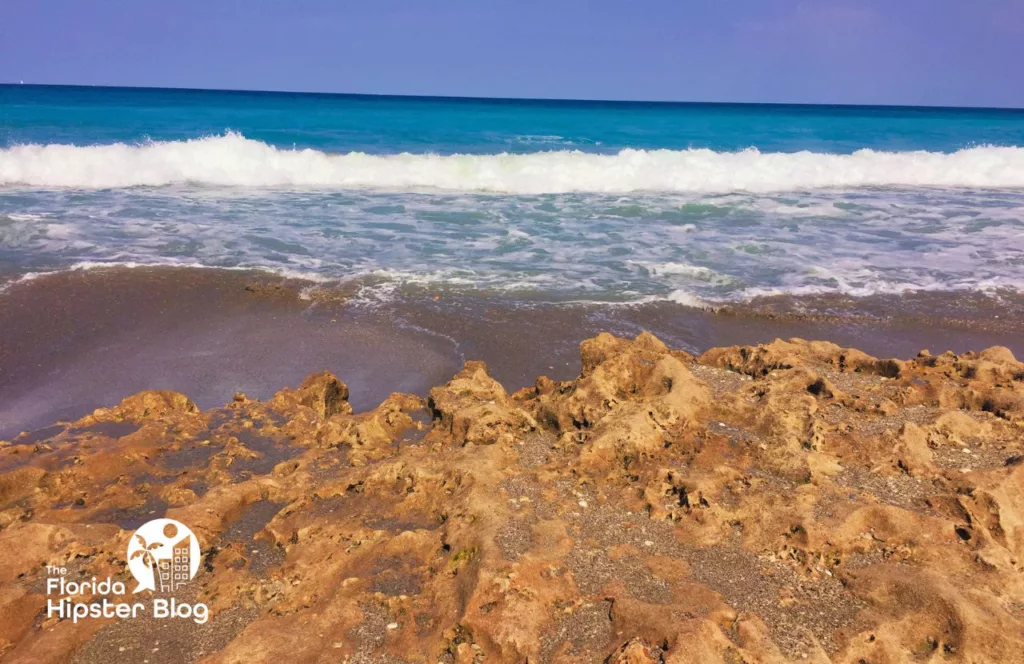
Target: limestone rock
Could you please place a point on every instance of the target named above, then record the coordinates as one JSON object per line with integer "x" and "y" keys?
{"x": 474, "y": 408}
{"x": 793, "y": 501}
{"x": 322, "y": 392}
{"x": 154, "y": 404}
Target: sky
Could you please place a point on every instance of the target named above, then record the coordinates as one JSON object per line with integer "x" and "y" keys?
{"x": 913, "y": 52}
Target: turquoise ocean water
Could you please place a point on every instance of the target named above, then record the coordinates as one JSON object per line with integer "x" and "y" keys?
{"x": 598, "y": 201}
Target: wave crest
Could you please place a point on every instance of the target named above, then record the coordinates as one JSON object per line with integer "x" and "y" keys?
{"x": 233, "y": 160}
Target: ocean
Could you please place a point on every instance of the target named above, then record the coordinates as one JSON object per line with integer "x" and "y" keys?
{"x": 554, "y": 201}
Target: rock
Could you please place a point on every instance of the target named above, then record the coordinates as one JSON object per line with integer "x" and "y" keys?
{"x": 630, "y": 398}
{"x": 19, "y": 483}
{"x": 999, "y": 355}
{"x": 912, "y": 453}
{"x": 793, "y": 501}
{"x": 782, "y": 355}
{"x": 322, "y": 393}
{"x": 474, "y": 408}
{"x": 325, "y": 394}
{"x": 635, "y": 652}
{"x": 154, "y": 404}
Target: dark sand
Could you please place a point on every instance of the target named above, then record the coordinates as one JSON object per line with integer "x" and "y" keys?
{"x": 72, "y": 342}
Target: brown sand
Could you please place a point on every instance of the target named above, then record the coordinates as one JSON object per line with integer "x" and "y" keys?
{"x": 75, "y": 341}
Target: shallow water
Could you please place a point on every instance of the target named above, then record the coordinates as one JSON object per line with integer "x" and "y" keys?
{"x": 598, "y": 247}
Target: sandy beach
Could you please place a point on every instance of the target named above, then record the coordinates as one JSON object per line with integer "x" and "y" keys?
{"x": 580, "y": 497}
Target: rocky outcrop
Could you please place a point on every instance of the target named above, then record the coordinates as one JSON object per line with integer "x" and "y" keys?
{"x": 795, "y": 501}
{"x": 473, "y": 408}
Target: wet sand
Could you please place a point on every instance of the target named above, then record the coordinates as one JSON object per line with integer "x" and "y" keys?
{"x": 72, "y": 342}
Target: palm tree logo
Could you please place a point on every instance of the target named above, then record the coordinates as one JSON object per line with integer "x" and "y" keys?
{"x": 163, "y": 553}
{"x": 146, "y": 553}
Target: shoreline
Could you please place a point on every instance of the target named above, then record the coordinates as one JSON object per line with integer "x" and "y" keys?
{"x": 76, "y": 340}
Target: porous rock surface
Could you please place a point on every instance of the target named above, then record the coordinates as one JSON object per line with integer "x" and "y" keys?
{"x": 795, "y": 501}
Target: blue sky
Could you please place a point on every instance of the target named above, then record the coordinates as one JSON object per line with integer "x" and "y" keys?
{"x": 930, "y": 52}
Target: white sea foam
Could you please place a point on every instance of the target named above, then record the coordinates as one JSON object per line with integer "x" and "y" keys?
{"x": 694, "y": 273}
{"x": 688, "y": 299}
{"x": 86, "y": 266}
{"x": 233, "y": 160}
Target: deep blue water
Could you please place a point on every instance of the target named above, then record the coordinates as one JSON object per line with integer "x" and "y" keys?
{"x": 601, "y": 201}
{"x": 386, "y": 125}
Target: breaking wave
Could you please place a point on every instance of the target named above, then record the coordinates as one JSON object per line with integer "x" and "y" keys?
{"x": 234, "y": 160}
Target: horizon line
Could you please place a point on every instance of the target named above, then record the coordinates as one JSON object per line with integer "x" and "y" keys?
{"x": 378, "y": 95}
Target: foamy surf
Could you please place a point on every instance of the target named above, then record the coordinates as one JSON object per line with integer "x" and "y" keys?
{"x": 236, "y": 161}
{"x": 89, "y": 266}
